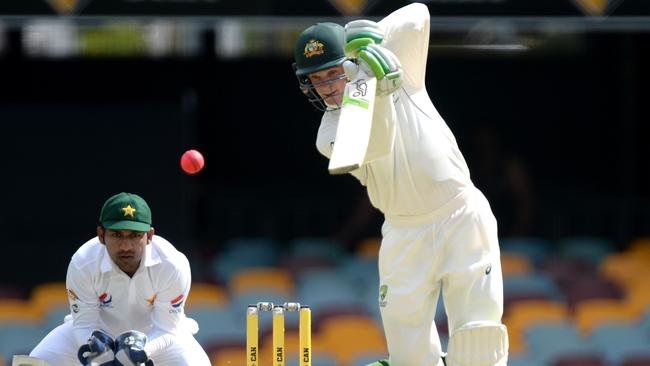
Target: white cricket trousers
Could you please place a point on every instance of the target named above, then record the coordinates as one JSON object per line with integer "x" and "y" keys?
{"x": 59, "y": 348}
{"x": 454, "y": 249}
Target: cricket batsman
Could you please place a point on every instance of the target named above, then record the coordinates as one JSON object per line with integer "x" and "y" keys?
{"x": 439, "y": 232}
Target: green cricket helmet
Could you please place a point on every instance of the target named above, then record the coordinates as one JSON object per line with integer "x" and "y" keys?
{"x": 319, "y": 47}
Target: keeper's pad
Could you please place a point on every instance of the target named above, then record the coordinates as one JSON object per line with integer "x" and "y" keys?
{"x": 478, "y": 344}
{"x": 21, "y": 360}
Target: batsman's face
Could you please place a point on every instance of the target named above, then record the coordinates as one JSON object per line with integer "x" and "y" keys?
{"x": 330, "y": 84}
{"x": 125, "y": 247}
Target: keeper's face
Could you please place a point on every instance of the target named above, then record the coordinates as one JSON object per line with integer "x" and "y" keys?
{"x": 125, "y": 247}
{"x": 330, "y": 85}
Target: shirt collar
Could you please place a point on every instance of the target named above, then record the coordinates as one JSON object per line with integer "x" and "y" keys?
{"x": 151, "y": 255}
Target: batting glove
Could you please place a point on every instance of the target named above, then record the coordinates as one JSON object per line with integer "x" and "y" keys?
{"x": 99, "y": 351}
{"x": 364, "y": 29}
{"x": 377, "y": 61}
{"x": 129, "y": 349}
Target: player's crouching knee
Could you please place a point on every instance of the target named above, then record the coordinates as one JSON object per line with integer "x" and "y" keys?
{"x": 478, "y": 344}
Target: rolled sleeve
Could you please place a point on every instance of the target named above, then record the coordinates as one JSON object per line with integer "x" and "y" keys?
{"x": 84, "y": 304}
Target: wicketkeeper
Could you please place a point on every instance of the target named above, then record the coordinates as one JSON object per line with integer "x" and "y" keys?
{"x": 127, "y": 289}
{"x": 439, "y": 232}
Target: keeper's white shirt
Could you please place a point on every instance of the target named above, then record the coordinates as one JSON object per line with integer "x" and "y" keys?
{"x": 152, "y": 301}
{"x": 413, "y": 165}
{"x": 101, "y": 296}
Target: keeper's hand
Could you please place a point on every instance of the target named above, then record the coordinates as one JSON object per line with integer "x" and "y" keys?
{"x": 375, "y": 60}
{"x": 99, "y": 351}
{"x": 129, "y": 349}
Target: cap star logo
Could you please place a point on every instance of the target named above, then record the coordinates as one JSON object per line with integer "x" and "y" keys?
{"x": 128, "y": 211}
{"x": 314, "y": 48}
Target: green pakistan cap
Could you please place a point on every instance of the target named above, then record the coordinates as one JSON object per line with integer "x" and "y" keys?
{"x": 126, "y": 211}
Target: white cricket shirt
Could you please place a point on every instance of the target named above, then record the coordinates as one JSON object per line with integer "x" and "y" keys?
{"x": 101, "y": 296}
{"x": 422, "y": 167}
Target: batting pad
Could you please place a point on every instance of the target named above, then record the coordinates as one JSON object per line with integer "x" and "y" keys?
{"x": 28, "y": 361}
{"x": 478, "y": 344}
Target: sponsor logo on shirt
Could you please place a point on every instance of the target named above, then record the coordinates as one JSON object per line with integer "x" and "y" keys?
{"x": 75, "y": 308}
{"x": 177, "y": 302}
{"x": 105, "y": 300}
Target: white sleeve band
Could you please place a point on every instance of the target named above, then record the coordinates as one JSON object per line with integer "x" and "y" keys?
{"x": 159, "y": 343}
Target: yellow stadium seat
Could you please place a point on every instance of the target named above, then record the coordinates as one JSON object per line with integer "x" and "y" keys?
{"x": 369, "y": 248}
{"x": 533, "y": 311}
{"x": 232, "y": 356}
{"x": 514, "y": 264}
{"x": 590, "y": 313}
{"x": 262, "y": 278}
{"x": 625, "y": 268}
{"x": 21, "y": 311}
{"x": 526, "y": 313}
{"x": 350, "y": 336}
{"x": 206, "y": 295}
{"x": 516, "y": 344}
{"x": 638, "y": 294}
{"x": 49, "y": 295}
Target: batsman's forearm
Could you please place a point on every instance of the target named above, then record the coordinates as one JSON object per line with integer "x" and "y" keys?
{"x": 382, "y": 133}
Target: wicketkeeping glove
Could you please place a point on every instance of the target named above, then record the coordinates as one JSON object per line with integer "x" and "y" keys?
{"x": 129, "y": 349}
{"x": 99, "y": 351}
{"x": 377, "y": 61}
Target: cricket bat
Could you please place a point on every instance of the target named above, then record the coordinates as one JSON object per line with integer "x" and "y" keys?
{"x": 355, "y": 122}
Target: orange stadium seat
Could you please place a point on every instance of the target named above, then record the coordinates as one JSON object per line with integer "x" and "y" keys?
{"x": 49, "y": 295}
{"x": 591, "y": 313}
{"x": 625, "y": 268}
{"x": 234, "y": 356}
{"x": 262, "y": 278}
{"x": 514, "y": 264}
{"x": 348, "y": 337}
{"x": 206, "y": 295}
{"x": 638, "y": 295}
{"x": 19, "y": 311}
{"x": 369, "y": 248}
{"x": 640, "y": 246}
{"x": 526, "y": 313}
